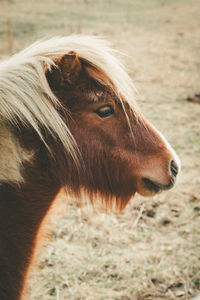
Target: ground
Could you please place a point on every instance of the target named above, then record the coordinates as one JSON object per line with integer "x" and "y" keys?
{"x": 152, "y": 249}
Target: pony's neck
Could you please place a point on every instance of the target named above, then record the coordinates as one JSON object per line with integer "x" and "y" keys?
{"x": 22, "y": 210}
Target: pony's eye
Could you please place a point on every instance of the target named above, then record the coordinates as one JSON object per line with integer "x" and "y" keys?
{"x": 105, "y": 111}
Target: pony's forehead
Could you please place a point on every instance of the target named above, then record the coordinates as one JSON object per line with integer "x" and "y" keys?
{"x": 99, "y": 89}
{"x": 95, "y": 95}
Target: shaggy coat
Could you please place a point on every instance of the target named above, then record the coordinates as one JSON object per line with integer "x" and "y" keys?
{"x": 68, "y": 118}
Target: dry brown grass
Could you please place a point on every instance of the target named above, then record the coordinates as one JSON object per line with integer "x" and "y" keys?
{"x": 152, "y": 249}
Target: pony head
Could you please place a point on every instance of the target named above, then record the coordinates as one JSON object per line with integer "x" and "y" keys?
{"x": 121, "y": 152}
{"x": 76, "y": 110}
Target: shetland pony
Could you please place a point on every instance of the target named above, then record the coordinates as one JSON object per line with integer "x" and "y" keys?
{"x": 68, "y": 119}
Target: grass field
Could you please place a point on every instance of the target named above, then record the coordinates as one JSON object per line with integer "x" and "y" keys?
{"x": 152, "y": 249}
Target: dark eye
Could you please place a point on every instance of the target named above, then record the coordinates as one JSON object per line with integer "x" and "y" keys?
{"x": 105, "y": 111}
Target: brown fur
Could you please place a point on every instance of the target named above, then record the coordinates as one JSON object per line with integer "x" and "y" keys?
{"x": 113, "y": 158}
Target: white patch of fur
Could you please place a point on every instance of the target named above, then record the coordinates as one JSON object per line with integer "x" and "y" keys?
{"x": 11, "y": 157}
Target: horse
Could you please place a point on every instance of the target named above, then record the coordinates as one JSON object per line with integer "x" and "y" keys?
{"x": 68, "y": 118}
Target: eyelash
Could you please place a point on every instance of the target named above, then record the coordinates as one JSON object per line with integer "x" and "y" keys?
{"x": 105, "y": 111}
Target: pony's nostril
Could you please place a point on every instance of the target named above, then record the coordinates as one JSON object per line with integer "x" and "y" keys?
{"x": 173, "y": 168}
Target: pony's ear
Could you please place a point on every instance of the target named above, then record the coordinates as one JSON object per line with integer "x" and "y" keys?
{"x": 66, "y": 72}
{"x": 70, "y": 68}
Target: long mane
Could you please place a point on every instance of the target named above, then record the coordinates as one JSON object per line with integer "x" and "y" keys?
{"x": 26, "y": 97}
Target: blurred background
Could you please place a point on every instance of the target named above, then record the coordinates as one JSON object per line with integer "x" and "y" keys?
{"x": 152, "y": 249}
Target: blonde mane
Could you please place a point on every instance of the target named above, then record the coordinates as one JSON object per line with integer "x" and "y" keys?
{"x": 26, "y": 96}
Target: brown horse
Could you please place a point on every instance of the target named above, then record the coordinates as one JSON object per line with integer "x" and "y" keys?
{"x": 68, "y": 119}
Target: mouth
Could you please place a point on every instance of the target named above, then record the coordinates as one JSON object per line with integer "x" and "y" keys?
{"x": 154, "y": 187}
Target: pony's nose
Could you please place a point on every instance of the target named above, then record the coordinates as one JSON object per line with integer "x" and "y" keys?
{"x": 155, "y": 186}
